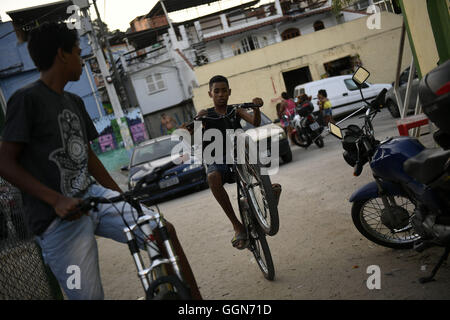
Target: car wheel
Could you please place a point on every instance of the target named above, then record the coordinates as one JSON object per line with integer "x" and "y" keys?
{"x": 393, "y": 108}
{"x": 287, "y": 157}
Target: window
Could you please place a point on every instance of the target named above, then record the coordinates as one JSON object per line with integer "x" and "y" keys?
{"x": 290, "y": 33}
{"x": 250, "y": 43}
{"x": 351, "y": 85}
{"x": 155, "y": 83}
{"x": 318, "y": 25}
{"x": 245, "y": 45}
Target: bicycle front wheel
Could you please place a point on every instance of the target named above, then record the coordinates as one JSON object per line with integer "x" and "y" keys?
{"x": 261, "y": 199}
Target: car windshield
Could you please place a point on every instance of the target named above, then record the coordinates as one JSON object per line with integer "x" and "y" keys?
{"x": 351, "y": 85}
{"x": 150, "y": 152}
{"x": 264, "y": 120}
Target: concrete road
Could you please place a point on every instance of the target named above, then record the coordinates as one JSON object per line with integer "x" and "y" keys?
{"x": 318, "y": 253}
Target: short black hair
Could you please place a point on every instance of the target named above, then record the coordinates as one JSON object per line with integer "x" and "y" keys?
{"x": 45, "y": 40}
{"x": 218, "y": 78}
{"x": 284, "y": 95}
{"x": 323, "y": 93}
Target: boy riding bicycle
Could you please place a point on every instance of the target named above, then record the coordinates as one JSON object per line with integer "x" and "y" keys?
{"x": 219, "y": 173}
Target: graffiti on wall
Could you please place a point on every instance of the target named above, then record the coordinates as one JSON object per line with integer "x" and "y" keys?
{"x": 109, "y": 131}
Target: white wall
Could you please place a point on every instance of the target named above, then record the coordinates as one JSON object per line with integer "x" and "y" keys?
{"x": 216, "y": 50}
{"x": 150, "y": 103}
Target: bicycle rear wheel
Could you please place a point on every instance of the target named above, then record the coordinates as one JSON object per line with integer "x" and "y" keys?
{"x": 260, "y": 249}
{"x": 257, "y": 240}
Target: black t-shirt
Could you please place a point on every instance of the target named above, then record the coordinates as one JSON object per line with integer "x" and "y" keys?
{"x": 56, "y": 130}
{"x": 222, "y": 125}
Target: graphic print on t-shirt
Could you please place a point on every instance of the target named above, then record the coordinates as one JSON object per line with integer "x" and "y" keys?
{"x": 71, "y": 159}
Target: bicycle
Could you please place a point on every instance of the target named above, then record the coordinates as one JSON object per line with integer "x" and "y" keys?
{"x": 256, "y": 200}
{"x": 157, "y": 280}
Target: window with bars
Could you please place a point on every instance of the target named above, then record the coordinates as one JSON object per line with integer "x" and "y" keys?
{"x": 155, "y": 83}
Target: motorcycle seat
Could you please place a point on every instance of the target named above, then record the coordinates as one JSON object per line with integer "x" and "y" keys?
{"x": 428, "y": 165}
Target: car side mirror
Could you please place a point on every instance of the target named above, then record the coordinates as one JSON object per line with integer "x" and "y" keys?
{"x": 360, "y": 76}
{"x": 335, "y": 130}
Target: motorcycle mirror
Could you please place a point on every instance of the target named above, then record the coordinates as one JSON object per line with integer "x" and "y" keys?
{"x": 335, "y": 130}
{"x": 361, "y": 75}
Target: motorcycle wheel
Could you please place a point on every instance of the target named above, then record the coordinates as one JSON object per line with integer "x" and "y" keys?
{"x": 300, "y": 139}
{"x": 370, "y": 218}
{"x": 319, "y": 142}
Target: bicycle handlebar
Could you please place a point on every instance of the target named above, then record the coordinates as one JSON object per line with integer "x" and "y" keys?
{"x": 142, "y": 187}
{"x": 245, "y": 105}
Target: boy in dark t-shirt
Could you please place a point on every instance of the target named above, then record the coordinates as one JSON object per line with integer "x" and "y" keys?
{"x": 45, "y": 152}
{"x": 217, "y": 173}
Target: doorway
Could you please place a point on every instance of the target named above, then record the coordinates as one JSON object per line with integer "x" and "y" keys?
{"x": 295, "y": 77}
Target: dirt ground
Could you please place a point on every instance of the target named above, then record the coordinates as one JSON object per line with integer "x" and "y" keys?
{"x": 317, "y": 253}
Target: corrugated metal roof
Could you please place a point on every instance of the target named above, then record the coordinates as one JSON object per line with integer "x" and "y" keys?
{"x": 32, "y": 16}
{"x": 175, "y": 5}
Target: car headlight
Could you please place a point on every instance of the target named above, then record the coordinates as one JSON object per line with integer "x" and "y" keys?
{"x": 191, "y": 167}
{"x": 282, "y": 135}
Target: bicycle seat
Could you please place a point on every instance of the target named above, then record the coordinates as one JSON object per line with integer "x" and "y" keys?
{"x": 428, "y": 165}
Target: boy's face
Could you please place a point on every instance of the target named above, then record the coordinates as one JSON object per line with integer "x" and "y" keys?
{"x": 75, "y": 63}
{"x": 220, "y": 93}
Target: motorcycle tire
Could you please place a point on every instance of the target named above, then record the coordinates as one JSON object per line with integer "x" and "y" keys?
{"x": 319, "y": 142}
{"x": 300, "y": 140}
{"x": 362, "y": 224}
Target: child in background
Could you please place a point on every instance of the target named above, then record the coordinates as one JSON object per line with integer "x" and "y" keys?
{"x": 325, "y": 107}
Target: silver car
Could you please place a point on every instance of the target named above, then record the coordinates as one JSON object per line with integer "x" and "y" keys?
{"x": 391, "y": 100}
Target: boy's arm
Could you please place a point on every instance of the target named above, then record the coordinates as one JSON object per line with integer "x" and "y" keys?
{"x": 12, "y": 171}
{"x": 98, "y": 171}
{"x": 255, "y": 118}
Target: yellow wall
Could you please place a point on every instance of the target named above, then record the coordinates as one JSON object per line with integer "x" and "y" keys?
{"x": 257, "y": 73}
{"x": 421, "y": 34}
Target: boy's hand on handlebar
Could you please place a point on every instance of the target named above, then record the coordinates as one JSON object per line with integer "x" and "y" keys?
{"x": 65, "y": 205}
{"x": 258, "y": 101}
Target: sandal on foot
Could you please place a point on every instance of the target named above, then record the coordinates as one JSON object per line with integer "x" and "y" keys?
{"x": 238, "y": 238}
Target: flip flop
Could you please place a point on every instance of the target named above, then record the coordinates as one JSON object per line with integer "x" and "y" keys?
{"x": 236, "y": 240}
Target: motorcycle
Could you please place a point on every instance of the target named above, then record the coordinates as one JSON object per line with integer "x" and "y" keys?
{"x": 305, "y": 128}
{"x": 407, "y": 205}
{"x": 291, "y": 130}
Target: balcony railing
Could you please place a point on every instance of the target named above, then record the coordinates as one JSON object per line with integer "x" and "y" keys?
{"x": 251, "y": 16}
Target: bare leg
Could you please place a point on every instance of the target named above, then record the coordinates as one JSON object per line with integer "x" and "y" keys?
{"x": 216, "y": 186}
{"x": 184, "y": 263}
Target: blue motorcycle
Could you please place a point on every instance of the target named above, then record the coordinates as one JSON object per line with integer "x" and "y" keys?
{"x": 399, "y": 209}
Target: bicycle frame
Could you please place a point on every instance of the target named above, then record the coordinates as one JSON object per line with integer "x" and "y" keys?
{"x": 153, "y": 276}
{"x": 155, "y": 258}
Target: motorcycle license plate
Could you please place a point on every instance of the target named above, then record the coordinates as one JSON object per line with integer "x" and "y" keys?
{"x": 169, "y": 182}
{"x": 314, "y": 126}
